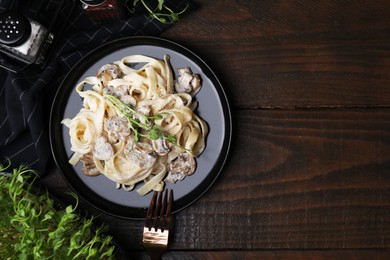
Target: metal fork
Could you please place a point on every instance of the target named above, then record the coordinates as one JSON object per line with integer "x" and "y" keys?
{"x": 157, "y": 224}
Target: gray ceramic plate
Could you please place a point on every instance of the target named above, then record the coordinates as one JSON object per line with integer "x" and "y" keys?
{"x": 213, "y": 108}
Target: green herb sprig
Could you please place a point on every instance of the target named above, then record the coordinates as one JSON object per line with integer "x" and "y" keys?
{"x": 31, "y": 227}
{"x": 140, "y": 121}
{"x": 162, "y": 12}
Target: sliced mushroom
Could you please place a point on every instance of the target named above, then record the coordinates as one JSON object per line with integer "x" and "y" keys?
{"x": 107, "y": 73}
{"x": 102, "y": 149}
{"x": 121, "y": 92}
{"x": 141, "y": 154}
{"x": 195, "y": 82}
{"x": 144, "y": 109}
{"x": 184, "y": 165}
{"x": 89, "y": 166}
{"x": 187, "y": 81}
{"x": 118, "y": 91}
{"x": 161, "y": 146}
{"x": 117, "y": 128}
{"x": 128, "y": 100}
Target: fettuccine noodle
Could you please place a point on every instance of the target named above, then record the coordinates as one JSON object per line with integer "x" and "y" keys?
{"x": 158, "y": 131}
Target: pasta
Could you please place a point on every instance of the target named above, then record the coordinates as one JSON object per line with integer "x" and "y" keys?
{"x": 138, "y": 125}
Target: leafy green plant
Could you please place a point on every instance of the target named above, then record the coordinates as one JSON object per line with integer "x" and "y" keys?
{"x": 31, "y": 227}
{"x": 160, "y": 12}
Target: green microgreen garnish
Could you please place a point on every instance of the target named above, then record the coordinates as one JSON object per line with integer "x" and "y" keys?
{"x": 161, "y": 12}
{"x": 32, "y": 227}
{"x": 139, "y": 122}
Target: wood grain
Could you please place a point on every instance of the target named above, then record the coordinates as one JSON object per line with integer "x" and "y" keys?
{"x": 276, "y": 254}
{"x": 308, "y": 173}
{"x": 295, "y": 180}
{"x": 298, "y": 179}
{"x": 294, "y": 53}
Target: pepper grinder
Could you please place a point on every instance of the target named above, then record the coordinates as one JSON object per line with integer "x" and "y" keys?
{"x": 23, "y": 38}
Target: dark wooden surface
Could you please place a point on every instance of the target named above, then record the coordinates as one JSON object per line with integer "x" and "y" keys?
{"x": 308, "y": 175}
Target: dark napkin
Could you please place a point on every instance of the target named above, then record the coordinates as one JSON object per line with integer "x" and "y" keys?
{"x": 26, "y": 97}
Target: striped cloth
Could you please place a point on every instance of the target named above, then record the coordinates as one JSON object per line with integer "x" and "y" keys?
{"x": 25, "y": 97}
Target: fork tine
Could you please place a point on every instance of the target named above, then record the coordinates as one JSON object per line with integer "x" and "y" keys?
{"x": 150, "y": 211}
{"x": 169, "y": 209}
{"x": 162, "y": 210}
{"x": 156, "y": 220}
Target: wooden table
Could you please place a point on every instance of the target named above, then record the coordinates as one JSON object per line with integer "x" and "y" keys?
{"x": 308, "y": 175}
